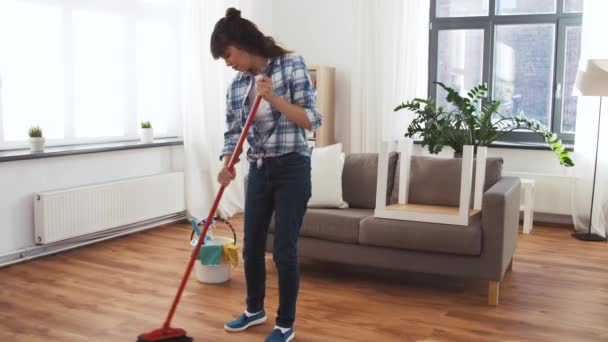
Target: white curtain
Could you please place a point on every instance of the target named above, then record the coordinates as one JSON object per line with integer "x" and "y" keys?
{"x": 390, "y": 66}
{"x": 592, "y": 47}
{"x": 205, "y": 82}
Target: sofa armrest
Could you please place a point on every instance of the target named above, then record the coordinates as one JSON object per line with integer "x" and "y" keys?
{"x": 500, "y": 224}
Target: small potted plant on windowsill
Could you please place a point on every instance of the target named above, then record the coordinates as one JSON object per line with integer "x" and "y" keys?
{"x": 147, "y": 132}
{"x": 36, "y": 139}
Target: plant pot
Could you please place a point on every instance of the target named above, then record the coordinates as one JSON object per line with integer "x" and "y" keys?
{"x": 459, "y": 154}
{"x": 37, "y": 145}
{"x": 147, "y": 135}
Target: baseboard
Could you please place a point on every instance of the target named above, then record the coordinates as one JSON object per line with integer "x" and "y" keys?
{"x": 549, "y": 219}
{"x": 33, "y": 252}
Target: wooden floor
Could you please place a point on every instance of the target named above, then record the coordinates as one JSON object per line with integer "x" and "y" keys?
{"x": 115, "y": 290}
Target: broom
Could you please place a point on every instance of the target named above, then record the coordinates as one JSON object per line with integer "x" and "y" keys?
{"x": 166, "y": 333}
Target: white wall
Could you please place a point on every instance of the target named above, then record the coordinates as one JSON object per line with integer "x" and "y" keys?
{"x": 323, "y": 32}
{"x": 19, "y": 180}
{"x": 260, "y": 12}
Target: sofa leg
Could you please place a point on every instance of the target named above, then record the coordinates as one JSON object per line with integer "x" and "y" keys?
{"x": 493, "y": 287}
{"x": 510, "y": 267}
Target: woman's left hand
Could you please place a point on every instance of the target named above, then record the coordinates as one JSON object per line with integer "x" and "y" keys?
{"x": 263, "y": 88}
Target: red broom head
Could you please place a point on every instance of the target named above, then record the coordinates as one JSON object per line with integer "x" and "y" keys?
{"x": 165, "y": 335}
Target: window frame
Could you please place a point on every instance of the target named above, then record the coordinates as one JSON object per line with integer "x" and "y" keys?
{"x": 488, "y": 23}
{"x": 136, "y": 10}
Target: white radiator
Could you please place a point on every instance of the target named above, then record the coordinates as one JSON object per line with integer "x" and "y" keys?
{"x": 69, "y": 213}
{"x": 552, "y": 194}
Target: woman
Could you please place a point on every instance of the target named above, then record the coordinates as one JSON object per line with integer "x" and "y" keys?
{"x": 279, "y": 156}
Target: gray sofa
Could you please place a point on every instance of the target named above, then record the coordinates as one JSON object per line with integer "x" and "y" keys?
{"x": 482, "y": 250}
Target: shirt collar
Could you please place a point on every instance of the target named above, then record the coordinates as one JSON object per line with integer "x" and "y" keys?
{"x": 269, "y": 61}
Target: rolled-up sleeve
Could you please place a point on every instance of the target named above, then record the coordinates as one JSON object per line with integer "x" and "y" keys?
{"x": 233, "y": 130}
{"x": 304, "y": 94}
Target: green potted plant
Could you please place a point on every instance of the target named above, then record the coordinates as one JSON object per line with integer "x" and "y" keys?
{"x": 36, "y": 139}
{"x": 146, "y": 132}
{"x": 465, "y": 124}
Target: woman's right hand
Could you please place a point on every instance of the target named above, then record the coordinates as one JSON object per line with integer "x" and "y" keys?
{"x": 225, "y": 176}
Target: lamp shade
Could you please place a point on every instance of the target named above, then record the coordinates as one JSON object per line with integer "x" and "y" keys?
{"x": 594, "y": 80}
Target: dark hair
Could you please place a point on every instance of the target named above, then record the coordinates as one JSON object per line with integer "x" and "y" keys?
{"x": 243, "y": 34}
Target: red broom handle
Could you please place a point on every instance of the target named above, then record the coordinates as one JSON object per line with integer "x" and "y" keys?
{"x": 218, "y": 197}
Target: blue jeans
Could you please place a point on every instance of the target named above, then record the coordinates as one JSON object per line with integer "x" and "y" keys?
{"x": 281, "y": 185}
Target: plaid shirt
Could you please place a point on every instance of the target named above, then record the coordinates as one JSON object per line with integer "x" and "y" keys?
{"x": 291, "y": 80}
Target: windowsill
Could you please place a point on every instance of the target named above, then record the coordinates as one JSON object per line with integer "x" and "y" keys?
{"x": 528, "y": 145}
{"x": 69, "y": 150}
{"x": 521, "y": 145}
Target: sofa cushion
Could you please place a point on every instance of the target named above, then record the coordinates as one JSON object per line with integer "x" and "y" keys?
{"x": 341, "y": 225}
{"x": 326, "y": 165}
{"x": 423, "y": 236}
{"x": 436, "y": 181}
{"x": 359, "y": 179}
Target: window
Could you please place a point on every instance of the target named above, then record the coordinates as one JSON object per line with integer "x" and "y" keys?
{"x": 526, "y": 51}
{"x": 88, "y": 70}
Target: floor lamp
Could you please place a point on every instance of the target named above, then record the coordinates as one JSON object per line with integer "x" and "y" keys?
{"x": 593, "y": 82}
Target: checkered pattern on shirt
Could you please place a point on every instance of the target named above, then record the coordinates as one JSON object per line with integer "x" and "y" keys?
{"x": 291, "y": 80}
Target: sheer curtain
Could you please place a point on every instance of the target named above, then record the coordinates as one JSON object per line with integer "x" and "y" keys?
{"x": 205, "y": 82}
{"x": 390, "y": 66}
{"x": 592, "y": 47}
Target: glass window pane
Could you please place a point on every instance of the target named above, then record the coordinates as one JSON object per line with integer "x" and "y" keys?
{"x": 523, "y": 70}
{"x": 569, "y": 102}
{"x": 459, "y": 60}
{"x": 461, "y": 8}
{"x": 31, "y": 69}
{"x": 512, "y": 7}
{"x": 100, "y": 74}
{"x": 156, "y": 72}
{"x": 573, "y": 6}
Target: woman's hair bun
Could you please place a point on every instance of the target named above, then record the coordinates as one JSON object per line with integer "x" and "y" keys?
{"x": 233, "y": 13}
